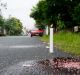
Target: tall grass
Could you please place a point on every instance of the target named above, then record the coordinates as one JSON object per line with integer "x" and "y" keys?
{"x": 66, "y": 41}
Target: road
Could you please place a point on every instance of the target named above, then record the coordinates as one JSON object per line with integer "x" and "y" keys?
{"x": 15, "y": 51}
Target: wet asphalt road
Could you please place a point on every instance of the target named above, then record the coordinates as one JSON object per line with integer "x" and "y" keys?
{"x": 15, "y": 51}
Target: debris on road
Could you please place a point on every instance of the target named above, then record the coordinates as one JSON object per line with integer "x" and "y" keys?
{"x": 60, "y": 66}
{"x": 56, "y": 66}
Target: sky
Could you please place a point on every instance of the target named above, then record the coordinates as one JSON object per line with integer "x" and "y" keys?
{"x": 20, "y": 9}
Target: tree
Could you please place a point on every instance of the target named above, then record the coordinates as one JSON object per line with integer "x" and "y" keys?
{"x": 76, "y": 15}
{"x": 2, "y": 6}
{"x": 38, "y": 13}
{"x": 1, "y": 21}
{"x": 13, "y": 26}
{"x": 55, "y": 12}
{"x": 61, "y": 10}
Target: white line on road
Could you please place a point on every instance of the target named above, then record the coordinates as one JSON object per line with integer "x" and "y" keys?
{"x": 47, "y": 47}
{"x": 26, "y": 46}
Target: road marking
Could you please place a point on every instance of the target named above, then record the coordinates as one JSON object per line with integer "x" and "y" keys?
{"x": 44, "y": 42}
{"x": 47, "y": 47}
{"x": 27, "y": 65}
{"x": 23, "y": 46}
{"x": 26, "y": 46}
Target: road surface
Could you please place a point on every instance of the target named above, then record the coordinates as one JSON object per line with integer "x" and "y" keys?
{"x": 16, "y": 51}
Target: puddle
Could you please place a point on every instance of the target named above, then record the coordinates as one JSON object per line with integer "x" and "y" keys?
{"x": 56, "y": 66}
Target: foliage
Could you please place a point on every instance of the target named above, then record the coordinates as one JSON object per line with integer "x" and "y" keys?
{"x": 2, "y": 5}
{"x": 40, "y": 26}
{"x": 1, "y": 21}
{"x": 60, "y": 25}
{"x": 38, "y": 13}
{"x": 76, "y": 14}
{"x": 13, "y": 26}
{"x": 49, "y": 12}
{"x": 66, "y": 41}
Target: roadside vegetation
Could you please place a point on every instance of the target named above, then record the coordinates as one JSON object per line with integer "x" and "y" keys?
{"x": 66, "y": 41}
{"x": 11, "y": 25}
{"x": 64, "y": 15}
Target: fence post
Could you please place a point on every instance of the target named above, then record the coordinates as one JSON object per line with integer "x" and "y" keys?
{"x": 47, "y": 30}
{"x": 51, "y": 39}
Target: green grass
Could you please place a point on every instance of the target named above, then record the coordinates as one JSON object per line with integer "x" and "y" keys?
{"x": 45, "y": 38}
{"x": 66, "y": 41}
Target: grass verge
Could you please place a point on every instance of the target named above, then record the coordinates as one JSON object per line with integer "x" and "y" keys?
{"x": 66, "y": 41}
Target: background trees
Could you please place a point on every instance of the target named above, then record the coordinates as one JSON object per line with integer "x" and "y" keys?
{"x": 63, "y": 14}
{"x": 1, "y": 21}
{"x": 76, "y": 14}
{"x": 38, "y": 13}
{"x": 13, "y": 26}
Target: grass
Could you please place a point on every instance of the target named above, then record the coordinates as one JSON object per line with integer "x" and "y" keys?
{"x": 66, "y": 41}
{"x": 45, "y": 38}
